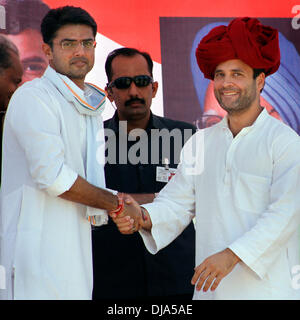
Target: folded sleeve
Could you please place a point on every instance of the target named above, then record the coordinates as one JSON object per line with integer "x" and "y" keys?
{"x": 63, "y": 182}
{"x": 174, "y": 208}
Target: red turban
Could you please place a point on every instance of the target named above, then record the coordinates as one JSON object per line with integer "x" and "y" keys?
{"x": 245, "y": 39}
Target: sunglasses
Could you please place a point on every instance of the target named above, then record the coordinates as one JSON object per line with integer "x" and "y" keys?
{"x": 125, "y": 82}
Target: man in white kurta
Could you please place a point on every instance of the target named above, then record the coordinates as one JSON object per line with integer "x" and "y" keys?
{"x": 53, "y": 152}
{"x": 245, "y": 199}
{"x": 240, "y": 179}
{"x": 46, "y": 239}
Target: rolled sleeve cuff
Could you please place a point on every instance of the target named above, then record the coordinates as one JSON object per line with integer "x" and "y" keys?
{"x": 149, "y": 242}
{"x": 251, "y": 261}
{"x": 63, "y": 182}
{"x": 152, "y": 240}
{"x": 155, "y": 240}
{"x": 161, "y": 234}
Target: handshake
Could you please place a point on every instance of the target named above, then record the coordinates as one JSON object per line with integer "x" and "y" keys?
{"x": 130, "y": 216}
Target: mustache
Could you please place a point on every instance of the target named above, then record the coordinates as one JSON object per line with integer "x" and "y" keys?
{"x": 128, "y": 102}
{"x": 80, "y": 59}
{"x": 228, "y": 89}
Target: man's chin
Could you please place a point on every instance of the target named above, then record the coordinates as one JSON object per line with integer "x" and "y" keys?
{"x": 137, "y": 113}
{"x": 79, "y": 73}
{"x": 235, "y": 111}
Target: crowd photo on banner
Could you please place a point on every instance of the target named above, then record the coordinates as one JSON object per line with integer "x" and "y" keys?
{"x": 148, "y": 168}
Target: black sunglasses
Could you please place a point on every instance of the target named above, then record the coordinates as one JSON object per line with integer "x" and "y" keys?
{"x": 125, "y": 82}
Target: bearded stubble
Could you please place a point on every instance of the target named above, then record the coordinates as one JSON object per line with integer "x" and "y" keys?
{"x": 69, "y": 68}
{"x": 242, "y": 103}
{"x": 79, "y": 73}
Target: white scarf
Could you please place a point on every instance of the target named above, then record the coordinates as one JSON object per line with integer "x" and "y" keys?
{"x": 89, "y": 102}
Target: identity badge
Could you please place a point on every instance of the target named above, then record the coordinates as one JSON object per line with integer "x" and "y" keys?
{"x": 164, "y": 174}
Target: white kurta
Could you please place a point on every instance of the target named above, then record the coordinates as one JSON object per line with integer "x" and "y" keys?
{"x": 246, "y": 198}
{"x": 45, "y": 241}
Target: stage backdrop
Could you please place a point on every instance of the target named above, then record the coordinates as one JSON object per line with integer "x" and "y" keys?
{"x": 170, "y": 29}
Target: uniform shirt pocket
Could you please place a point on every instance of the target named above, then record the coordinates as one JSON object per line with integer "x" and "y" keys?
{"x": 252, "y": 192}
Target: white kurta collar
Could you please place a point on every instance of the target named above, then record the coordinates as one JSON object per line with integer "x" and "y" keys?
{"x": 259, "y": 121}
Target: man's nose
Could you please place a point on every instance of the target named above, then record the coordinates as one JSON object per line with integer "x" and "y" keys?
{"x": 79, "y": 50}
{"x": 133, "y": 89}
{"x": 227, "y": 81}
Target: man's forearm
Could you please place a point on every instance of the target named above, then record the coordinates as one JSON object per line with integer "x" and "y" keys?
{"x": 85, "y": 193}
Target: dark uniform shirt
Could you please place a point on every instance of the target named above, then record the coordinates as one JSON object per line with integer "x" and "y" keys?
{"x": 123, "y": 268}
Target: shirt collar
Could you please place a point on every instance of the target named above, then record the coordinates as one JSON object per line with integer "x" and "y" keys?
{"x": 258, "y": 122}
{"x": 154, "y": 122}
{"x": 113, "y": 123}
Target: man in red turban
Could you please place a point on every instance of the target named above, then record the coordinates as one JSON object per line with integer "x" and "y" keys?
{"x": 247, "y": 44}
{"x": 239, "y": 178}
{"x": 245, "y": 39}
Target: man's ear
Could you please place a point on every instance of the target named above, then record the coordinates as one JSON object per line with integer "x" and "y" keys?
{"x": 47, "y": 50}
{"x": 109, "y": 93}
{"x": 154, "y": 88}
{"x": 260, "y": 80}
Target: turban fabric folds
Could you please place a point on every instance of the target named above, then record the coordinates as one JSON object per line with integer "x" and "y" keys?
{"x": 245, "y": 39}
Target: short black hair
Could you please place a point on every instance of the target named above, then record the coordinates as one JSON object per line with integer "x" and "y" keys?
{"x": 23, "y": 14}
{"x": 257, "y": 72}
{"x": 127, "y": 52}
{"x": 6, "y": 49}
{"x": 59, "y": 17}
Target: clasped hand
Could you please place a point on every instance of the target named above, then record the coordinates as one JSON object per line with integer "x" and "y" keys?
{"x": 130, "y": 219}
{"x": 207, "y": 275}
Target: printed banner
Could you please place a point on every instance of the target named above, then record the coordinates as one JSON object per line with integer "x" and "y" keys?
{"x": 169, "y": 30}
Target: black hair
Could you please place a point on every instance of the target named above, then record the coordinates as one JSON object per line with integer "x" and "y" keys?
{"x": 59, "y": 17}
{"x": 257, "y": 72}
{"x": 6, "y": 49}
{"x": 127, "y": 52}
{"x": 23, "y": 14}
